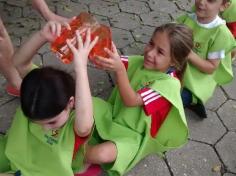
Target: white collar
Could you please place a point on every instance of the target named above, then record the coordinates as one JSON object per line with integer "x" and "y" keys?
{"x": 214, "y": 23}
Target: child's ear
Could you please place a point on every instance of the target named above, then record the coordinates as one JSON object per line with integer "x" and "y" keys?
{"x": 224, "y": 6}
{"x": 71, "y": 102}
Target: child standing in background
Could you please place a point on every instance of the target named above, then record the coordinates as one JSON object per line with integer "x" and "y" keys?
{"x": 229, "y": 15}
{"x": 48, "y": 132}
{"x": 144, "y": 114}
{"x": 209, "y": 63}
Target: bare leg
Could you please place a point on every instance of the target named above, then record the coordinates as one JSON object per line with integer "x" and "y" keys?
{"x": 102, "y": 153}
{"x": 7, "y": 67}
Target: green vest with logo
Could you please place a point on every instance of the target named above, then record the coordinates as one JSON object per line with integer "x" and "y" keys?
{"x": 129, "y": 127}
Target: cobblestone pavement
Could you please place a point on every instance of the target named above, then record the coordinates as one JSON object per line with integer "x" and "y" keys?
{"x": 211, "y": 149}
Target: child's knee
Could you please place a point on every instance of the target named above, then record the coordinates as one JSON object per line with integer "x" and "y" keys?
{"x": 108, "y": 153}
{"x": 104, "y": 153}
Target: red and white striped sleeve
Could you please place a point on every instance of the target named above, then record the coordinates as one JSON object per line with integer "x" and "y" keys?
{"x": 125, "y": 60}
{"x": 150, "y": 99}
{"x": 155, "y": 105}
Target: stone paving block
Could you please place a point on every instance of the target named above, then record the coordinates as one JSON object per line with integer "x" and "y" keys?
{"x": 104, "y": 8}
{"x": 117, "y": 1}
{"x": 18, "y": 3}
{"x": 102, "y": 19}
{"x": 227, "y": 150}
{"x": 209, "y": 130}
{"x": 134, "y": 49}
{"x": 50, "y": 59}
{"x": 9, "y": 12}
{"x": 84, "y": 2}
{"x": 29, "y": 12}
{"x": 231, "y": 87}
{"x": 177, "y": 13}
{"x": 229, "y": 174}
{"x": 121, "y": 37}
{"x": 227, "y": 114}
{"x": 71, "y": 9}
{"x": 7, "y": 112}
{"x": 143, "y": 33}
{"x": 155, "y": 18}
{"x": 133, "y": 6}
{"x": 185, "y": 4}
{"x": 150, "y": 166}
{"x": 23, "y": 27}
{"x": 124, "y": 21}
{"x": 4, "y": 97}
{"x": 194, "y": 159}
{"x": 163, "y": 6}
{"x": 99, "y": 81}
{"x": 217, "y": 100}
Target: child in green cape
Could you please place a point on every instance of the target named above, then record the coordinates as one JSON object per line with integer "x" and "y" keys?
{"x": 144, "y": 114}
{"x": 54, "y": 121}
{"x": 229, "y": 15}
{"x": 209, "y": 63}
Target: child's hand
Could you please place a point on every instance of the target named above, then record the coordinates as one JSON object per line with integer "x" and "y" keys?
{"x": 113, "y": 63}
{"x": 81, "y": 53}
{"x": 54, "y": 17}
{"x": 52, "y": 30}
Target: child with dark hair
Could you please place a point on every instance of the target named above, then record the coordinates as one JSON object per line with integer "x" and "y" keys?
{"x": 50, "y": 128}
{"x": 144, "y": 114}
{"x": 209, "y": 63}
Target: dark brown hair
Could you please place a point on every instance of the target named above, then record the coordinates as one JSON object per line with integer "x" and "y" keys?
{"x": 181, "y": 43}
{"x": 45, "y": 93}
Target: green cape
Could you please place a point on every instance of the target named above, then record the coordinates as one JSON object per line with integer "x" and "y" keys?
{"x": 129, "y": 127}
{"x": 208, "y": 40}
{"x": 35, "y": 152}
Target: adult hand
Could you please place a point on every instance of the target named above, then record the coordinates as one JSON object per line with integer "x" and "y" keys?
{"x": 52, "y": 30}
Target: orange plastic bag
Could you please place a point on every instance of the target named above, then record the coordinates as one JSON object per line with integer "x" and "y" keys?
{"x": 82, "y": 23}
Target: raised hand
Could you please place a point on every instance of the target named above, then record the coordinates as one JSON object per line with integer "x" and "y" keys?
{"x": 113, "y": 63}
{"x": 81, "y": 53}
{"x": 52, "y": 30}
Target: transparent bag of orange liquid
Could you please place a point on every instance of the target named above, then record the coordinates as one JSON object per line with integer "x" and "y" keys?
{"x": 82, "y": 23}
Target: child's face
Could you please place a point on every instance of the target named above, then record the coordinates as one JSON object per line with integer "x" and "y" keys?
{"x": 55, "y": 122}
{"x": 157, "y": 53}
{"x": 207, "y": 10}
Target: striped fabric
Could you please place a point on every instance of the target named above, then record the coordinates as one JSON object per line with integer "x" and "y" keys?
{"x": 124, "y": 59}
{"x": 154, "y": 104}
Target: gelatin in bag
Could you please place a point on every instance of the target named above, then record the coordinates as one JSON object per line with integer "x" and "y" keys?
{"x": 83, "y": 22}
